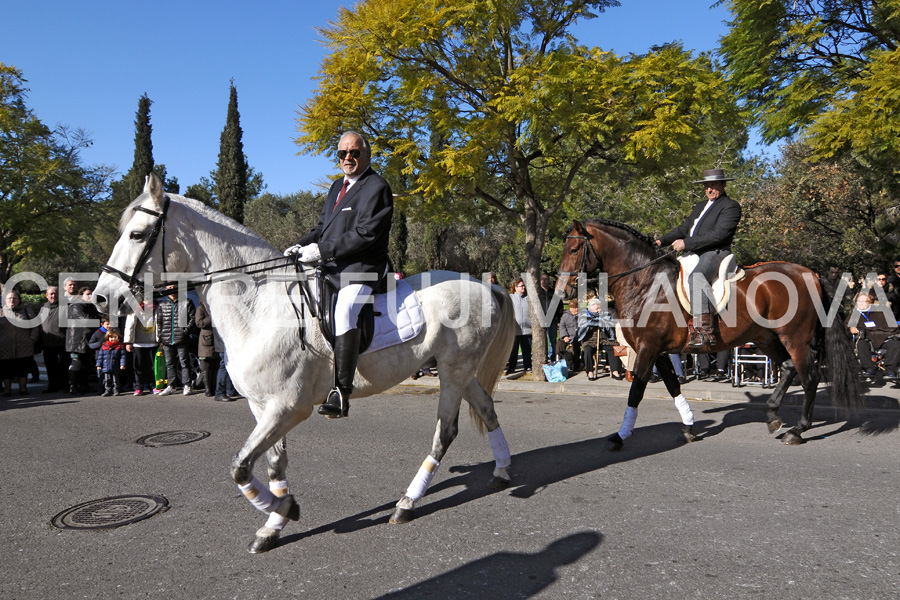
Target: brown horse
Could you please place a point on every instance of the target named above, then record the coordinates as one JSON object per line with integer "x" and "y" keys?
{"x": 776, "y": 306}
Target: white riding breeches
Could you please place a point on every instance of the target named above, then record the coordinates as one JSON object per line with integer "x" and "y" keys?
{"x": 350, "y": 302}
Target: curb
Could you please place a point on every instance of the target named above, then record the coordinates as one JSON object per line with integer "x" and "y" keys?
{"x": 881, "y": 398}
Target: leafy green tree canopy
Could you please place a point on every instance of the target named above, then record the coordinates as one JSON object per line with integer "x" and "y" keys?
{"x": 829, "y": 68}
{"x": 46, "y": 195}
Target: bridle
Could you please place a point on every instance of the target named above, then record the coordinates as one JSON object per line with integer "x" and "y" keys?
{"x": 159, "y": 290}
{"x": 584, "y": 258}
{"x": 137, "y": 286}
{"x": 584, "y": 254}
{"x": 159, "y": 234}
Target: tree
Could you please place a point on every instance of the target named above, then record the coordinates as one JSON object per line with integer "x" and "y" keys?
{"x": 494, "y": 104}
{"x": 231, "y": 175}
{"x": 143, "y": 149}
{"x": 280, "y": 220}
{"x": 819, "y": 213}
{"x": 826, "y": 68}
{"x": 46, "y": 196}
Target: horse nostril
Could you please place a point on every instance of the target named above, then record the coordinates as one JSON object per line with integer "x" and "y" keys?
{"x": 99, "y": 299}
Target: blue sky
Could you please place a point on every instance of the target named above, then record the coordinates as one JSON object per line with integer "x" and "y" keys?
{"x": 87, "y": 64}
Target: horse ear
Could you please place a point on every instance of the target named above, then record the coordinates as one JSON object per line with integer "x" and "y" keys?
{"x": 153, "y": 186}
{"x": 577, "y": 226}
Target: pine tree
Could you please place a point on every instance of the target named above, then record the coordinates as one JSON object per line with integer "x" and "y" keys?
{"x": 231, "y": 175}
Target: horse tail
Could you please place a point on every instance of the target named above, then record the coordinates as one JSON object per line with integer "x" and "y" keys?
{"x": 835, "y": 348}
{"x": 497, "y": 352}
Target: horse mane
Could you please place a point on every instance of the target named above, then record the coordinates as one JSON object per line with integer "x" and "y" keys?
{"x": 639, "y": 236}
{"x": 199, "y": 207}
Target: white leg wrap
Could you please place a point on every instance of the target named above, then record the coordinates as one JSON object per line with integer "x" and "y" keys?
{"x": 627, "y": 427}
{"x": 422, "y": 480}
{"x": 499, "y": 448}
{"x": 258, "y": 495}
{"x": 276, "y": 521}
{"x": 687, "y": 416}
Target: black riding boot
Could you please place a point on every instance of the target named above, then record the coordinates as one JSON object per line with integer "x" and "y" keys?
{"x": 346, "y": 355}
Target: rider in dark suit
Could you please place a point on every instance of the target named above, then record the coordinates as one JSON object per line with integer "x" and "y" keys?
{"x": 351, "y": 239}
{"x": 708, "y": 231}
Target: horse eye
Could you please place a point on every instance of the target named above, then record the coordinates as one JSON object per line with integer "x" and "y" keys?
{"x": 136, "y": 235}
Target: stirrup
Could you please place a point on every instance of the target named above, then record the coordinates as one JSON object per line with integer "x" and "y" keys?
{"x": 701, "y": 339}
{"x": 335, "y": 405}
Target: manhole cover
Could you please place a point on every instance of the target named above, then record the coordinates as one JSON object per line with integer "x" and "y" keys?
{"x": 109, "y": 512}
{"x": 172, "y": 438}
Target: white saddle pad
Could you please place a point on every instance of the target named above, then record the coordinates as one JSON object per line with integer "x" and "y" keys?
{"x": 728, "y": 272}
{"x": 398, "y": 319}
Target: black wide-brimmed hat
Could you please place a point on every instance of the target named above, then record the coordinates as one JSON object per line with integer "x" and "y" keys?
{"x": 714, "y": 175}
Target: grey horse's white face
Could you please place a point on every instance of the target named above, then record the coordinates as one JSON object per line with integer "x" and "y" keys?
{"x": 138, "y": 253}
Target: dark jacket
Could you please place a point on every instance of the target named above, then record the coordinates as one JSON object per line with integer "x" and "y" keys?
{"x": 52, "y": 335}
{"x": 111, "y": 360}
{"x": 878, "y": 329}
{"x": 78, "y": 336}
{"x": 174, "y": 321}
{"x": 98, "y": 338}
{"x": 353, "y": 236}
{"x": 16, "y": 340}
{"x": 206, "y": 345}
{"x": 715, "y": 231}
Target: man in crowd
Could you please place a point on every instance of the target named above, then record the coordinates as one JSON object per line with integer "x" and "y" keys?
{"x": 56, "y": 359}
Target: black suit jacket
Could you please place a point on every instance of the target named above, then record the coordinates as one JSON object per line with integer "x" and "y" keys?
{"x": 353, "y": 236}
{"x": 715, "y": 231}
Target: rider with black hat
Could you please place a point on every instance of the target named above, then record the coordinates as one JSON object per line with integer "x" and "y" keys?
{"x": 708, "y": 232}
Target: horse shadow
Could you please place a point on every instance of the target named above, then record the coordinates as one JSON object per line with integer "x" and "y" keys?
{"x": 504, "y": 575}
{"x": 531, "y": 471}
{"x": 754, "y": 412}
{"x": 12, "y": 403}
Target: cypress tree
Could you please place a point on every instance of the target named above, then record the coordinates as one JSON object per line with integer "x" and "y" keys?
{"x": 143, "y": 148}
{"x": 231, "y": 177}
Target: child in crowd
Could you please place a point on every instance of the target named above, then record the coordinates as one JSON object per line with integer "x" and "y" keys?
{"x": 110, "y": 361}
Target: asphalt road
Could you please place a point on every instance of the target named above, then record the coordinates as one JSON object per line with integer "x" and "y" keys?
{"x": 735, "y": 515}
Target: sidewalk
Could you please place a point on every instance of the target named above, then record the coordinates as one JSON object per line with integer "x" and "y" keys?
{"x": 879, "y": 396}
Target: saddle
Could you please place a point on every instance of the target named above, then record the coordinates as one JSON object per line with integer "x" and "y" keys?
{"x": 729, "y": 272}
{"x": 393, "y": 317}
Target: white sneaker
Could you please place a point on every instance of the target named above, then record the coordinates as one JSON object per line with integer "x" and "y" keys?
{"x": 169, "y": 390}
{"x": 187, "y": 390}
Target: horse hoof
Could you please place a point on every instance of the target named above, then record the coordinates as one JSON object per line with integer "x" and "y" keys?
{"x": 775, "y": 425}
{"x": 688, "y": 434}
{"x": 791, "y": 439}
{"x": 262, "y": 544}
{"x": 498, "y": 483}
{"x": 614, "y": 443}
{"x": 401, "y": 516}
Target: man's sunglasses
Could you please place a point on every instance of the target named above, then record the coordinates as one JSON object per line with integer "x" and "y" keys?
{"x": 354, "y": 154}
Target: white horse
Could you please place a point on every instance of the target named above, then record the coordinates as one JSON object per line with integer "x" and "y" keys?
{"x": 468, "y": 331}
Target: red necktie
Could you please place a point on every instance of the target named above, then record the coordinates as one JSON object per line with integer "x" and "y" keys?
{"x": 341, "y": 195}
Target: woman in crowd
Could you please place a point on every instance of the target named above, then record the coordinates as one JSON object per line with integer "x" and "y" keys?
{"x": 17, "y": 342}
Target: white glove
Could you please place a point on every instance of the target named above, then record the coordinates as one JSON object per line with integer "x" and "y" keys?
{"x": 295, "y": 249}
{"x": 310, "y": 253}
